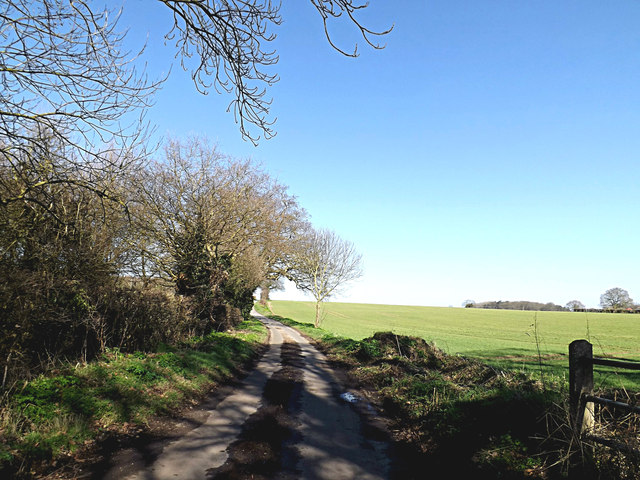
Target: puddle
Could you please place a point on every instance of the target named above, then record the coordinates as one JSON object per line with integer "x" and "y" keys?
{"x": 354, "y": 399}
{"x": 349, "y": 397}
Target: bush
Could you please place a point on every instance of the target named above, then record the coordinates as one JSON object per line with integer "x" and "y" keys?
{"x": 43, "y": 323}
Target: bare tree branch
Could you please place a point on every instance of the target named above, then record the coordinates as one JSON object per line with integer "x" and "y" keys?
{"x": 333, "y": 9}
{"x": 229, "y": 40}
{"x": 65, "y": 82}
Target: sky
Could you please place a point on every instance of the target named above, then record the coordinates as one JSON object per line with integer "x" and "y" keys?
{"x": 489, "y": 152}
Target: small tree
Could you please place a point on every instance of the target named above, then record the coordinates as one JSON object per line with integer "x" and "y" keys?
{"x": 574, "y": 305}
{"x": 469, "y": 303}
{"x": 322, "y": 263}
{"x": 615, "y": 298}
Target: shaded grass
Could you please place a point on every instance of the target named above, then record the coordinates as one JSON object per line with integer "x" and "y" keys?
{"x": 57, "y": 414}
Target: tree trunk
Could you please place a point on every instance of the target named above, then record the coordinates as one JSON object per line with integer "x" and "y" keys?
{"x": 264, "y": 295}
{"x": 317, "y": 322}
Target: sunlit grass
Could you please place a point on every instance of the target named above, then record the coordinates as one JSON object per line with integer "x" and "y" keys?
{"x": 510, "y": 339}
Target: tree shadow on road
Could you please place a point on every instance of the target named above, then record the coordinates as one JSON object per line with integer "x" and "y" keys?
{"x": 265, "y": 448}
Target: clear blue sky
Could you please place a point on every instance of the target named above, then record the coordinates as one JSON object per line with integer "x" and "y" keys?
{"x": 490, "y": 152}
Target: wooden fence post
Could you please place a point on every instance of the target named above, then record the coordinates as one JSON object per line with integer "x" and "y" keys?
{"x": 580, "y": 384}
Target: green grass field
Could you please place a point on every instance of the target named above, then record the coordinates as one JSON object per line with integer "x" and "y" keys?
{"x": 504, "y": 338}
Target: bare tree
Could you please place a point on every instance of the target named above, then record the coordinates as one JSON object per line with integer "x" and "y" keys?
{"x": 574, "y": 305}
{"x": 322, "y": 264}
{"x": 240, "y": 208}
{"x": 615, "y": 298}
{"x": 63, "y": 70}
{"x": 210, "y": 224}
{"x": 66, "y": 82}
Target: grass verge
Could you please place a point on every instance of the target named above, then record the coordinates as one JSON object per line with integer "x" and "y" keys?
{"x": 56, "y": 416}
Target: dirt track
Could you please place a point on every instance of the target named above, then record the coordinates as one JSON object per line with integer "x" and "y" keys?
{"x": 286, "y": 420}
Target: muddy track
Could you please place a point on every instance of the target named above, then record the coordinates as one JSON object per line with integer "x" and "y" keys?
{"x": 285, "y": 420}
{"x": 266, "y": 447}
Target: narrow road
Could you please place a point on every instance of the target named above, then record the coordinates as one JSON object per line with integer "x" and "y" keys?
{"x": 325, "y": 440}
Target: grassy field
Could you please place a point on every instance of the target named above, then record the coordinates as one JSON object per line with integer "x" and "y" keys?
{"x": 504, "y": 338}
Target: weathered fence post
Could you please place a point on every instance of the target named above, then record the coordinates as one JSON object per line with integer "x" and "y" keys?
{"x": 580, "y": 384}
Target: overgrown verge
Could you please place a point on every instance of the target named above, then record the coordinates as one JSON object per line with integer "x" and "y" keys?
{"x": 459, "y": 417}
{"x": 53, "y": 417}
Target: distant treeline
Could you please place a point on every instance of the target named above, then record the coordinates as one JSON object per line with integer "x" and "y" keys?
{"x": 519, "y": 305}
{"x": 608, "y": 310}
